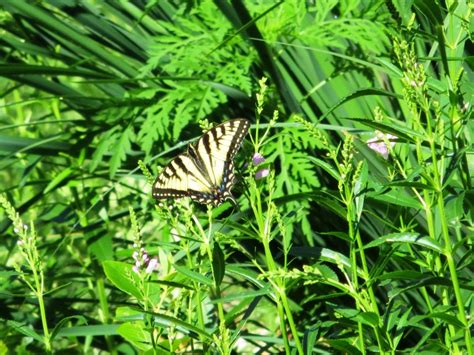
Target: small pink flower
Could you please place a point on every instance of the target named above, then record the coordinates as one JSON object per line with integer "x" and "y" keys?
{"x": 262, "y": 173}
{"x": 143, "y": 262}
{"x": 378, "y": 145}
{"x": 258, "y": 159}
{"x": 152, "y": 266}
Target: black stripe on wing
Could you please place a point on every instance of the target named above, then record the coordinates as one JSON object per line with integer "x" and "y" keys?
{"x": 172, "y": 181}
{"x": 237, "y": 129}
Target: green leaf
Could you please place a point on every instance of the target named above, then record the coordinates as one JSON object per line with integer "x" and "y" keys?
{"x": 448, "y": 318}
{"x": 326, "y": 167}
{"x": 123, "y": 277}
{"x": 323, "y": 254}
{"x": 120, "y": 149}
{"x": 242, "y": 295}
{"x": 137, "y": 316}
{"x": 194, "y": 275}
{"x": 8, "y": 274}
{"x": 402, "y": 132}
{"x": 106, "y": 141}
{"x": 48, "y": 146}
{"x": 136, "y": 333}
{"x": 25, "y": 329}
{"x": 401, "y": 275}
{"x": 403, "y": 8}
{"x": 89, "y": 330}
{"x": 360, "y": 93}
{"x": 427, "y": 281}
{"x": 410, "y": 238}
{"x": 395, "y": 197}
{"x": 438, "y": 315}
{"x": 180, "y": 325}
{"x": 360, "y": 188}
{"x": 309, "y": 339}
{"x": 218, "y": 264}
{"x": 327, "y": 272}
{"x": 63, "y": 30}
{"x": 367, "y": 318}
{"x": 102, "y": 248}
{"x": 404, "y": 318}
{"x": 63, "y": 322}
{"x": 15, "y": 69}
{"x": 344, "y": 346}
{"x": 413, "y": 184}
{"x": 58, "y": 179}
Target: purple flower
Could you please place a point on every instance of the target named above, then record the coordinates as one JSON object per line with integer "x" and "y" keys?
{"x": 258, "y": 159}
{"x": 262, "y": 173}
{"x": 142, "y": 261}
{"x": 152, "y": 266}
{"x": 378, "y": 145}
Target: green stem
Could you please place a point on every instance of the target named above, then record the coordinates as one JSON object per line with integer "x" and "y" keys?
{"x": 281, "y": 315}
{"x": 220, "y": 307}
{"x": 427, "y": 203}
{"x": 282, "y": 301}
{"x": 200, "y": 312}
{"x": 39, "y": 282}
{"x": 104, "y": 314}
{"x": 373, "y": 300}
{"x": 353, "y": 258}
{"x": 206, "y": 238}
{"x": 291, "y": 322}
{"x": 447, "y": 245}
{"x": 355, "y": 237}
{"x": 454, "y": 276}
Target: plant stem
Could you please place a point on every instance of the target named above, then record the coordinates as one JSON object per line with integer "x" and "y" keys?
{"x": 104, "y": 312}
{"x": 454, "y": 276}
{"x": 39, "y": 283}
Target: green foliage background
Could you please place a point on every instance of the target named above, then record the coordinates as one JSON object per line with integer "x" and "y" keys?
{"x": 338, "y": 250}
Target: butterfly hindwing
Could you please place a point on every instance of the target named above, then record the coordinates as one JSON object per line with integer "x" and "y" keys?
{"x": 205, "y": 171}
{"x": 173, "y": 180}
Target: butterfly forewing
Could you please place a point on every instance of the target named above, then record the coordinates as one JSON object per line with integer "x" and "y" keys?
{"x": 219, "y": 146}
{"x": 205, "y": 171}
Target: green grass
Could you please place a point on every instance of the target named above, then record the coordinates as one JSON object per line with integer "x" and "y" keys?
{"x": 339, "y": 249}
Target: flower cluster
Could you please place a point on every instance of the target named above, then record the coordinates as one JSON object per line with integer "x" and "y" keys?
{"x": 414, "y": 77}
{"x": 143, "y": 261}
{"x": 25, "y": 241}
{"x": 381, "y": 143}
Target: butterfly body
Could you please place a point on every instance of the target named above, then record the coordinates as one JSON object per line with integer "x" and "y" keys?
{"x": 205, "y": 172}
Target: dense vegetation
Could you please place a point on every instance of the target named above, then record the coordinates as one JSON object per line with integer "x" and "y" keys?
{"x": 352, "y": 234}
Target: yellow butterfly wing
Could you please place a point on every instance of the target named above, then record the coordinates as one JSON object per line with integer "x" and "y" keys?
{"x": 205, "y": 172}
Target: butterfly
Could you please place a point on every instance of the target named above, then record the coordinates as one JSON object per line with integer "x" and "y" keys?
{"x": 205, "y": 172}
